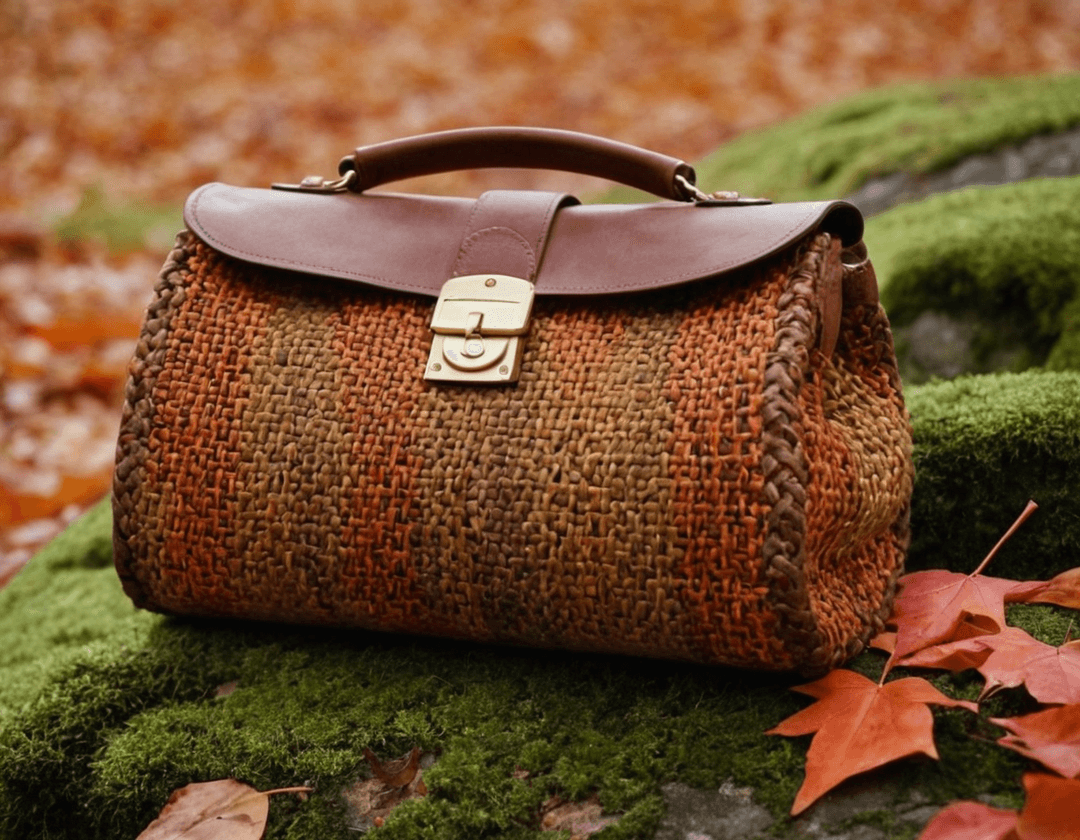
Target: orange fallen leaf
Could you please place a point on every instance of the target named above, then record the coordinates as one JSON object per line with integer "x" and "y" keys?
{"x": 1050, "y": 810}
{"x": 1050, "y": 674}
{"x": 17, "y": 507}
{"x": 971, "y": 821}
{"x": 951, "y": 656}
{"x": 9, "y": 567}
{"x": 885, "y": 640}
{"x": 1010, "y": 659}
{"x": 221, "y": 810}
{"x": 69, "y": 333}
{"x": 860, "y": 725}
{"x": 1051, "y": 737}
{"x": 1063, "y": 590}
{"x": 932, "y": 605}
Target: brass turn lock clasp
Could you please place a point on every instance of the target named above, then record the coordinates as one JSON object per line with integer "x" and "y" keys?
{"x": 479, "y": 322}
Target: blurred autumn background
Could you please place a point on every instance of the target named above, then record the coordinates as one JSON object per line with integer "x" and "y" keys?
{"x": 112, "y": 110}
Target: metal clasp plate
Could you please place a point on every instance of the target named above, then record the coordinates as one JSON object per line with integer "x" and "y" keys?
{"x": 478, "y": 323}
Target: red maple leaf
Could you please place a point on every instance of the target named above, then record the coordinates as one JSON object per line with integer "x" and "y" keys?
{"x": 1009, "y": 659}
{"x": 1063, "y": 590}
{"x": 1050, "y": 674}
{"x": 860, "y": 725}
{"x": 1049, "y": 814}
{"x": 971, "y": 821}
{"x": 933, "y": 605}
{"x": 1051, "y": 737}
{"x": 1050, "y": 810}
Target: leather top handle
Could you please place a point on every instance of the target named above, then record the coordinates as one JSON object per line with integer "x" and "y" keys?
{"x": 527, "y": 148}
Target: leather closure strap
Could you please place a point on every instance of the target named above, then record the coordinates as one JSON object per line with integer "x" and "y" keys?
{"x": 507, "y": 231}
{"x": 484, "y": 307}
{"x": 410, "y": 243}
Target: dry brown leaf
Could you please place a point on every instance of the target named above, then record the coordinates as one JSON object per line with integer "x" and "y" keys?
{"x": 581, "y": 819}
{"x": 397, "y": 772}
{"x": 220, "y": 810}
{"x": 371, "y": 801}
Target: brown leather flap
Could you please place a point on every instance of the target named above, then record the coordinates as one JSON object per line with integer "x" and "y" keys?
{"x": 410, "y": 242}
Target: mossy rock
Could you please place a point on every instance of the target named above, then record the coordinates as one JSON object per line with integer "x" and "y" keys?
{"x": 984, "y": 446}
{"x": 917, "y": 128}
{"x": 1002, "y": 264}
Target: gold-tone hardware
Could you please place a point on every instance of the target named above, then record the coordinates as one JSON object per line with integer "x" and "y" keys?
{"x": 690, "y": 190}
{"x": 721, "y": 198}
{"x": 478, "y": 323}
{"x": 318, "y": 184}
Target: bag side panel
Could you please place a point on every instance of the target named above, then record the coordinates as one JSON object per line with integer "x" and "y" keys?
{"x": 857, "y": 443}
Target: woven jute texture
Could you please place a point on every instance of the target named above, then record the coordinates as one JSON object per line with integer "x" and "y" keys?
{"x": 678, "y": 474}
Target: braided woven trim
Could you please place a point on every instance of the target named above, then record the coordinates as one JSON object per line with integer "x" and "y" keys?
{"x": 784, "y": 464}
{"x": 837, "y": 471}
{"x": 138, "y": 412}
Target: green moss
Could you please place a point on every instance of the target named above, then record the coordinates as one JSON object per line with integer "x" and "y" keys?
{"x": 1066, "y": 352}
{"x": 96, "y": 736}
{"x": 1002, "y": 259}
{"x": 120, "y": 227}
{"x": 1053, "y": 625}
{"x": 113, "y": 735}
{"x": 984, "y": 445}
{"x": 61, "y": 606}
{"x": 833, "y": 150}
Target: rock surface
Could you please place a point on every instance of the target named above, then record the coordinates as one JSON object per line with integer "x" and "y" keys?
{"x": 730, "y": 813}
{"x": 1043, "y": 156}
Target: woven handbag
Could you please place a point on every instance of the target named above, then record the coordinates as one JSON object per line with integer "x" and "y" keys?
{"x": 671, "y": 429}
